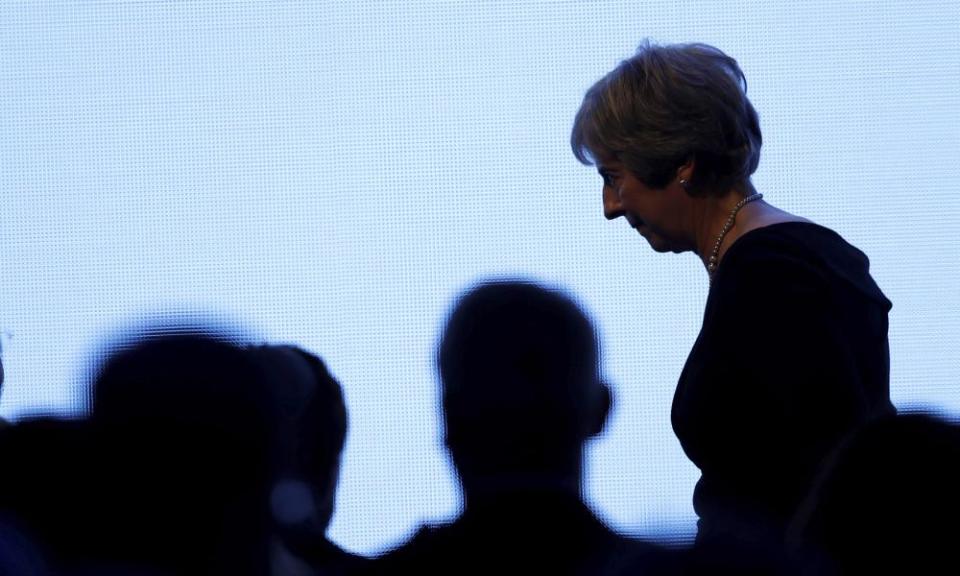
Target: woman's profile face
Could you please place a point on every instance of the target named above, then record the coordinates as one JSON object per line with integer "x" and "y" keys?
{"x": 657, "y": 214}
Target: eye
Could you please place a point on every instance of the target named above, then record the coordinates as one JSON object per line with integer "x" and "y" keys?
{"x": 608, "y": 179}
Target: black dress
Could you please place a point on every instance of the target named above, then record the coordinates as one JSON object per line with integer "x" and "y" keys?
{"x": 792, "y": 356}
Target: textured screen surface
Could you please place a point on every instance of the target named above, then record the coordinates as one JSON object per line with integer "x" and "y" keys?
{"x": 332, "y": 174}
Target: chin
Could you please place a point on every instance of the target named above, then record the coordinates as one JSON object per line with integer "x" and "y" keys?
{"x": 659, "y": 245}
{"x": 663, "y": 245}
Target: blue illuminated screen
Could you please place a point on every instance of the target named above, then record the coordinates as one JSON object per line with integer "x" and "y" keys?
{"x": 333, "y": 174}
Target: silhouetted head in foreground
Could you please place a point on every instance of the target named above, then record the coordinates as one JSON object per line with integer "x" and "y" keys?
{"x": 521, "y": 396}
{"x": 183, "y": 425}
{"x": 310, "y": 422}
{"x": 889, "y": 500}
{"x": 321, "y": 433}
{"x": 521, "y": 389}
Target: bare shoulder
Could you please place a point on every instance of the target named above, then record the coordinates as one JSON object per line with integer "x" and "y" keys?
{"x": 761, "y": 215}
{"x": 757, "y": 215}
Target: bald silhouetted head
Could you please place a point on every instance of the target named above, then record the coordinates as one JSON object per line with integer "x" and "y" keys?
{"x": 521, "y": 389}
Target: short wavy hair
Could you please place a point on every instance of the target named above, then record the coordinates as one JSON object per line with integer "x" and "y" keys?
{"x": 666, "y": 105}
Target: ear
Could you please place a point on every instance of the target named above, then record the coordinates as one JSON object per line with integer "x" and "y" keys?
{"x": 686, "y": 170}
{"x": 601, "y": 410}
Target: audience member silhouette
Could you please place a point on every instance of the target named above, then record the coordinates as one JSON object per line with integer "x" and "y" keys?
{"x": 310, "y": 420}
{"x": 888, "y": 501}
{"x": 184, "y": 434}
{"x": 19, "y": 555}
{"x": 205, "y": 458}
{"x": 191, "y": 441}
{"x": 521, "y": 396}
{"x": 47, "y": 515}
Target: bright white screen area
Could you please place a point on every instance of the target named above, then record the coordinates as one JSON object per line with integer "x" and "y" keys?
{"x": 332, "y": 174}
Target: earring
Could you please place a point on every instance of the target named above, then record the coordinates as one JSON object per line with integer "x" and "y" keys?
{"x": 684, "y": 183}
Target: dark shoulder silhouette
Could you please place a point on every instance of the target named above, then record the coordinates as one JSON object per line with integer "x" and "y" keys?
{"x": 887, "y": 501}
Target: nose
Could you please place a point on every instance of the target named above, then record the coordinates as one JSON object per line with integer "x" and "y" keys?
{"x": 611, "y": 204}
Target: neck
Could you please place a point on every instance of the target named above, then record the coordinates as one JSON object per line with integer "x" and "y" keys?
{"x": 479, "y": 492}
{"x": 711, "y": 216}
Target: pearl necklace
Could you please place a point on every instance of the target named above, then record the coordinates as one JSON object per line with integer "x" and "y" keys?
{"x": 714, "y": 256}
